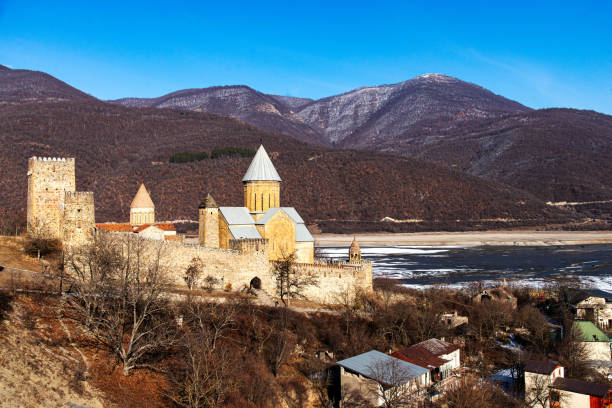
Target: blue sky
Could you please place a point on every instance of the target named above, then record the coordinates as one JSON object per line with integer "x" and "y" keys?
{"x": 540, "y": 53}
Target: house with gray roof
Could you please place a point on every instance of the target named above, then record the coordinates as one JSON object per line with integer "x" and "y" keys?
{"x": 376, "y": 376}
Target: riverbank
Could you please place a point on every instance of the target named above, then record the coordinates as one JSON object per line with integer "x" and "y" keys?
{"x": 478, "y": 238}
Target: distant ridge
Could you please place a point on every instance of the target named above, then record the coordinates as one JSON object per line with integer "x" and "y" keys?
{"x": 271, "y": 113}
{"x": 22, "y": 84}
{"x": 358, "y": 118}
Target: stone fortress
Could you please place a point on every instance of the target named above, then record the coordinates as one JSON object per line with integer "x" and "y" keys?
{"x": 235, "y": 244}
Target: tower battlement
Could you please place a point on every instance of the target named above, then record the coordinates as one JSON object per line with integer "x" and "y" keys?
{"x": 52, "y": 159}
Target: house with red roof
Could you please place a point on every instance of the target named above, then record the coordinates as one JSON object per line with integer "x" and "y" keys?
{"x": 439, "y": 357}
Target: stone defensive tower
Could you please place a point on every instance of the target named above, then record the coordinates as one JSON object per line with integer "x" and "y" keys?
{"x": 48, "y": 181}
{"x": 354, "y": 251}
{"x": 142, "y": 209}
{"x": 261, "y": 183}
{"x": 208, "y": 222}
{"x": 79, "y": 218}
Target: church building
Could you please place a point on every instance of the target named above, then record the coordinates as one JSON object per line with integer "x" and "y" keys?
{"x": 262, "y": 216}
{"x": 142, "y": 220}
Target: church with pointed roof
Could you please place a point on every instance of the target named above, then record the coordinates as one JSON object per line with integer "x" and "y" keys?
{"x": 142, "y": 220}
{"x": 261, "y": 217}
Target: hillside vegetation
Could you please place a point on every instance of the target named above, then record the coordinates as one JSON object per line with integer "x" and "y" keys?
{"x": 117, "y": 148}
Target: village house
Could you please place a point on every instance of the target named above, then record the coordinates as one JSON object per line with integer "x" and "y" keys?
{"x": 546, "y": 385}
{"x": 438, "y": 357}
{"x": 538, "y": 377}
{"x": 453, "y": 320}
{"x": 372, "y": 374}
{"x": 596, "y": 309}
{"x": 595, "y": 342}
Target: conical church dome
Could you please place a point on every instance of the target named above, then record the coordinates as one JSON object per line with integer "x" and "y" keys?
{"x": 142, "y": 199}
{"x": 261, "y": 168}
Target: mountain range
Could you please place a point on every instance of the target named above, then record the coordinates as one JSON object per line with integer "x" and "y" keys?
{"x": 430, "y": 133}
{"x": 556, "y": 154}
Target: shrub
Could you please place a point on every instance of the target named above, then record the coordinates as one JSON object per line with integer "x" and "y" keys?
{"x": 37, "y": 245}
{"x": 184, "y": 157}
{"x": 232, "y": 152}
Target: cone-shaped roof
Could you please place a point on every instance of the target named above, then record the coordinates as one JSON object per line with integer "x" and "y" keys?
{"x": 261, "y": 168}
{"x": 142, "y": 199}
{"x": 209, "y": 202}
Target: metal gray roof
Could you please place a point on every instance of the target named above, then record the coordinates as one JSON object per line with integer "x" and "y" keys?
{"x": 290, "y": 211}
{"x": 267, "y": 216}
{"x": 249, "y": 232}
{"x": 237, "y": 215}
{"x": 302, "y": 234}
{"x": 293, "y": 214}
{"x": 261, "y": 168}
{"x": 382, "y": 367}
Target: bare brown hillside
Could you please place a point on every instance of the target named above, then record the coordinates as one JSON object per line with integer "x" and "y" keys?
{"x": 117, "y": 148}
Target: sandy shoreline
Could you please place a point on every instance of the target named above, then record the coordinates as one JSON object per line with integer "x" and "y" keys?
{"x": 478, "y": 238}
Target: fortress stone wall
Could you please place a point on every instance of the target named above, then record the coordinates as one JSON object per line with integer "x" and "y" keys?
{"x": 333, "y": 280}
{"x": 79, "y": 217}
{"x": 70, "y": 216}
{"x": 247, "y": 259}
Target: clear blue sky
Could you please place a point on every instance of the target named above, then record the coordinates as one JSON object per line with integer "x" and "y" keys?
{"x": 540, "y": 53}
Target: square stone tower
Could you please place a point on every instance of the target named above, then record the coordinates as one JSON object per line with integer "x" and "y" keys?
{"x": 48, "y": 181}
{"x": 79, "y": 218}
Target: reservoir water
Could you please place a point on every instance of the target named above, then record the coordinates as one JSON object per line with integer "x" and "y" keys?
{"x": 458, "y": 266}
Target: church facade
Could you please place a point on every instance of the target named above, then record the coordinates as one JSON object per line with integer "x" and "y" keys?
{"x": 261, "y": 217}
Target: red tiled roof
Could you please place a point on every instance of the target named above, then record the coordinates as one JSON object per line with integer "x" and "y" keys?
{"x": 162, "y": 226}
{"x": 420, "y": 358}
{"x": 173, "y": 238}
{"x": 438, "y": 347}
{"x": 116, "y": 227}
{"x": 426, "y": 353}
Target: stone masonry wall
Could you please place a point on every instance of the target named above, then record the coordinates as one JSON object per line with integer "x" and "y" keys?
{"x": 333, "y": 280}
{"x": 48, "y": 180}
{"x": 247, "y": 259}
{"x": 230, "y": 266}
{"x": 79, "y": 217}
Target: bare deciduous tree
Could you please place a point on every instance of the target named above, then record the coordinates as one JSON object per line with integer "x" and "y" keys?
{"x": 538, "y": 393}
{"x": 117, "y": 283}
{"x": 193, "y": 272}
{"x": 289, "y": 283}
{"x": 203, "y": 376}
{"x": 397, "y": 386}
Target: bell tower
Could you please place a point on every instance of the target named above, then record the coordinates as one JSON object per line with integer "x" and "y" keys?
{"x": 354, "y": 251}
{"x": 208, "y": 223}
{"x": 261, "y": 183}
